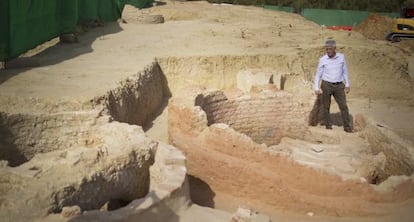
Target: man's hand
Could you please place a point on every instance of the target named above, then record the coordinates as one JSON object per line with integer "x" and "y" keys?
{"x": 318, "y": 92}
{"x": 347, "y": 89}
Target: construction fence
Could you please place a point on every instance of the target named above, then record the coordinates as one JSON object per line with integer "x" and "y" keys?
{"x": 330, "y": 17}
{"x": 24, "y": 24}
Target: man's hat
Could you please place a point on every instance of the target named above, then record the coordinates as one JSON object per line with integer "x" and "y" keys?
{"x": 330, "y": 43}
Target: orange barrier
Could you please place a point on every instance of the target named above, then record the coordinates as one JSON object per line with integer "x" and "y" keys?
{"x": 346, "y": 28}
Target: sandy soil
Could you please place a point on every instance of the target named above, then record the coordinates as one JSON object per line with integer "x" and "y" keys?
{"x": 69, "y": 77}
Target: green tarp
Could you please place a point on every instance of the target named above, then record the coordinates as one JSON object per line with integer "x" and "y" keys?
{"x": 139, "y": 3}
{"x": 31, "y": 23}
{"x": 330, "y": 17}
{"x": 69, "y": 14}
{"x": 104, "y": 10}
{"x": 4, "y": 30}
{"x": 24, "y": 24}
{"x": 338, "y": 17}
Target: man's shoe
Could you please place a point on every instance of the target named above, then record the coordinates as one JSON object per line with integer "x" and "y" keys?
{"x": 348, "y": 129}
{"x": 328, "y": 127}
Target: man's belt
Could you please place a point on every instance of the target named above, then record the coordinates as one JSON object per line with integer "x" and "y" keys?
{"x": 333, "y": 83}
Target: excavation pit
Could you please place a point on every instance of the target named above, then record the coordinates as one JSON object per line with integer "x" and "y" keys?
{"x": 246, "y": 142}
{"x": 247, "y": 134}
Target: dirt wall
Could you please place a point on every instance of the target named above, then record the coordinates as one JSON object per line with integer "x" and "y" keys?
{"x": 114, "y": 165}
{"x": 374, "y": 73}
{"x": 399, "y": 153}
{"x": 24, "y": 135}
{"x": 139, "y": 97}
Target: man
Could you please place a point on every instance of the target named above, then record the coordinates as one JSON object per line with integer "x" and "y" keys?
{"x": 333, "y": 71}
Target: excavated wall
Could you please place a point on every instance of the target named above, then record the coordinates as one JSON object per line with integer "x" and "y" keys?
{"x": 375, "y": 79}
{"x": 399, "y": 153}
{"x": 220, "y": 72}
{"x": 85, "y": 159}
{"x": 24, "y": 135}
{"x": 139, "y": 97}
{"x": 264, "y": 117}
{"x": 70, "y": 159}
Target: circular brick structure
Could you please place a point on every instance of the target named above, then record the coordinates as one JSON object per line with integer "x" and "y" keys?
{"x": 265, "y": 115}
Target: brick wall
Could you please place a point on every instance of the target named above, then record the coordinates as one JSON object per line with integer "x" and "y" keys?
{"x": 266, "y": 116}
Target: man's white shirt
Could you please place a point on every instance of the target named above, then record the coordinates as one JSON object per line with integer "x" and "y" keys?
{"x": 332, "y": 70}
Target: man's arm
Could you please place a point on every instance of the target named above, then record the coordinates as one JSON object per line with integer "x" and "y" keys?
{"x": 318, "y": 77}
{"x": 346, "y": 76}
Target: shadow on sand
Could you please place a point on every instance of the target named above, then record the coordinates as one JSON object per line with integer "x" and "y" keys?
{"x": 53, "y": 55}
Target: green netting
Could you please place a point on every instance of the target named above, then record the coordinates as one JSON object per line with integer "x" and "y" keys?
{"x": 69, "y": 15}
{"x": 109, "y": 10}
{"x": 24, "y": 24}
{"x": 4, "y": 30}
{"x": 98, "y": 10}
{"x": 279, "y": 8}
{"x": 339, "y": 17}
{"x": 139, "y": 3}
{"x": 88, "y": 10}
{"x": 30, "y": 24}
{"x": 335, "y": 17}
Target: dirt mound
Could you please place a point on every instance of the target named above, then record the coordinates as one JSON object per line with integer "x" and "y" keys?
{"x": 375, "y": 27}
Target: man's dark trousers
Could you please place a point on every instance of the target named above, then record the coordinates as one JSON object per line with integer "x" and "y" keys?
{"x": 337, "y": 90}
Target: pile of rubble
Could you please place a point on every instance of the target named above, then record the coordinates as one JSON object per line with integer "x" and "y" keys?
{"x": 375, "y": 27}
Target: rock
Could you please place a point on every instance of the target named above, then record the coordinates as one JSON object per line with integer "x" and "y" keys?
{"x": 4, "y": 163}
{"x": 310, "y": 214}
{"x": 71, "y": 211}
{"x": 246, "y": 214}
{"x": 317, "y": 149}
{"x": 129, "y": 15}
{"x": 68, "y": 38}
{"x": 152, "y": 19}
{"x": 360, "y": 122}
{"x": 244, "y": 211}
{"x": 248, "y": 78}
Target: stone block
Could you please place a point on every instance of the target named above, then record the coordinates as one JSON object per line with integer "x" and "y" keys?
{"x": 71, "y": 211}
{"x": 248, "y": 78}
